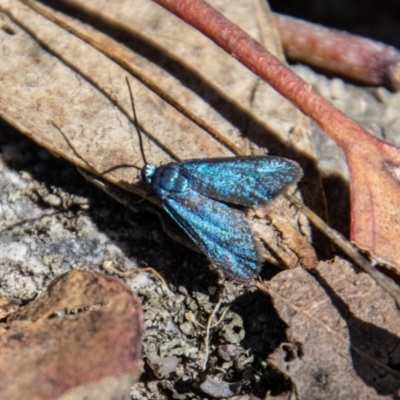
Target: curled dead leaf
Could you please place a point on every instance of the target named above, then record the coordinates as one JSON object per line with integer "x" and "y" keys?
{"x": 81, "y": 336}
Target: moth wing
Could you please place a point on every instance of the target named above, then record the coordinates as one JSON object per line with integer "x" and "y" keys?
{"x": 244, "y": 181}
{"x": 222, "y": 233}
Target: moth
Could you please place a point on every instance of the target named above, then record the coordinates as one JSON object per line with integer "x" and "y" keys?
{"x": 199, "y": 194}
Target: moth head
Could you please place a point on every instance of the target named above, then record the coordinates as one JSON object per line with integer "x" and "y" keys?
{"x": 148, "y": 172}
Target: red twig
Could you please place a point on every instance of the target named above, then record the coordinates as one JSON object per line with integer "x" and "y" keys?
{"x": 255, "y": 57}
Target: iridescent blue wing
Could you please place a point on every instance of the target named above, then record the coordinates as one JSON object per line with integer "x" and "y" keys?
{"x": 222, "y": 233}
{"x": 244, "y": 181}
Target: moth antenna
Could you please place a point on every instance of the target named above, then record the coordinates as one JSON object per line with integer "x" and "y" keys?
{"x": 74, "y": 149}
{"x": 135, "y": 121}
{"x": 91, "y": 166}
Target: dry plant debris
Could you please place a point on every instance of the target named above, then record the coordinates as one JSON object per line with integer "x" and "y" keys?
{"x": 50, "y": 76}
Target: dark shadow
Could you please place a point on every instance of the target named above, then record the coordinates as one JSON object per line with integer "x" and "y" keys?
{"x": 371, "y": 348}
{"x": 338, "y": 202}
{"x": 264, "y": 332}
{"x": 374, "y": 19}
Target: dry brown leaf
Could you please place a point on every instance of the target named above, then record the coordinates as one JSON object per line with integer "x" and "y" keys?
{"x": 50, "y": 76}
{"x": 81, "y": 337}
{"x": 343, "y": 333}
{"x": 375, "y": 223}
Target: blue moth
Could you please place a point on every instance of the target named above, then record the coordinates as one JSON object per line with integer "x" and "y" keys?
{"x": 198, "y": 195}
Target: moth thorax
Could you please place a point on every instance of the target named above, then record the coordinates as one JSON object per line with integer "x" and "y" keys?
{"x": 171, "y": 178}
